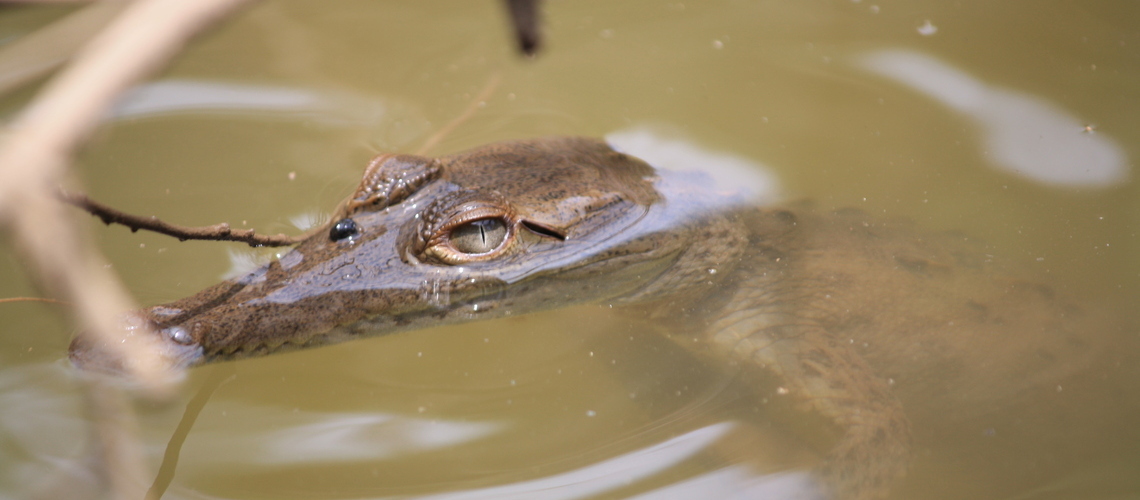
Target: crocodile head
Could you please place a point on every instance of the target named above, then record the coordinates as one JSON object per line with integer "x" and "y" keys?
{"x": 503, "y": 229}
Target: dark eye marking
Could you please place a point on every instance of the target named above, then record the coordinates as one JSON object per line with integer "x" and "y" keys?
{"x": 544, "y": 230}
{"x": 343, "y": 228}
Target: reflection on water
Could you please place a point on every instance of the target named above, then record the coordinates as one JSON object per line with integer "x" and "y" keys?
{"x": 730, "y": 172}
{"x": 173, "y": 97}
{"x": 284, "y": 438}
{"x": 740, "y": 483}
{"x": 607, "y": 476}
{"x": 1022, "y": 134}
{"x": 610, "y": 474}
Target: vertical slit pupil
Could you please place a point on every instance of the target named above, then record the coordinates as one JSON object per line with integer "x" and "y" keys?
{"x": 479, "y": 236}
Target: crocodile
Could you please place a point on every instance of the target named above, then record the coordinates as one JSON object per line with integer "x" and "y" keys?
{"x": 858, "y": 320}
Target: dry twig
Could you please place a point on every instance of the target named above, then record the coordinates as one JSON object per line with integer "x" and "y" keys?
{"x": 34, "y": 299}
{"x": 37, "y": 54}
{"x": 479, "y": 100}
{"x": 34, "y": 155}
{"x": 216, "y": 232}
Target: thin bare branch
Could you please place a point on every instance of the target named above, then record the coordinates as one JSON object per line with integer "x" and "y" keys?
{"x": 34, "y": 299}
{"x": 216, "y": 232}
{"x": 479, "y": 101}
{"x": 38, "y": 53}
{"x": 115, "y": 435}
{"x": 36, "y": 151}
{"x": 34, "y": 155}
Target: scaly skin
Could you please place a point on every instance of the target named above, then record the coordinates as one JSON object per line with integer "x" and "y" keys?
{"x": 862, "y": 322}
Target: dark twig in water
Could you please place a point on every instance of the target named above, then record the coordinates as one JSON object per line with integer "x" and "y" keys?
{"x": 216, "y": 232}
{"x": 525, "y": 20}
{"x": 218, "y": 376}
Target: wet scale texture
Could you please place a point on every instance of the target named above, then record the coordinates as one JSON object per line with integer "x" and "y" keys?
{"x": 872, "y": 325}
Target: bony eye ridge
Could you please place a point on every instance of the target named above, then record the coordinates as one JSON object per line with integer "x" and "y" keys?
{"x": 478, "y": 236}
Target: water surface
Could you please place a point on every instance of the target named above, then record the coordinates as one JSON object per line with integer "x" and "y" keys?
{"x": 1014, "y": 122}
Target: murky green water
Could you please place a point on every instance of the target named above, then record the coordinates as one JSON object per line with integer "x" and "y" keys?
{"x": 1011, "y": 121}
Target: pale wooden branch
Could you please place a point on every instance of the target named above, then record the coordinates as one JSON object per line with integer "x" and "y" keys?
{"x": 49, "y": 1}
{"x": 216, "y": 232}
{"x": 9, "y": 300}
{"x": 34, "y": 155}
{"x": 115, "y": 435}
{"x": 36, "y": 150}
{"x": 37, "y": 54}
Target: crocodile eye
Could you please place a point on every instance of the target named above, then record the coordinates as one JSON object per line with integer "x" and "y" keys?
{"x": 479, "y": 236}
{"x": 343, "y": 229}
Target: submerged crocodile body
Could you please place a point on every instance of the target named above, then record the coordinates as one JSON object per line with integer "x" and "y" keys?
{"x": 857, "y": 320}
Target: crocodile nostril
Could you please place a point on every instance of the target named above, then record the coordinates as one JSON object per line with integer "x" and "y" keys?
{"x": 179, "y": 335}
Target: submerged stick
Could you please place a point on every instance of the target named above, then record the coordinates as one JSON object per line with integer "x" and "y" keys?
{"x": 218, "y": 375}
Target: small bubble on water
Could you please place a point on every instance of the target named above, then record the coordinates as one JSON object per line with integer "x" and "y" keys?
{"x": 591, "y": 413}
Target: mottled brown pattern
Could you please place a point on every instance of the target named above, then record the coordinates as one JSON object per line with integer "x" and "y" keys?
{"x": 867, "y": 323}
